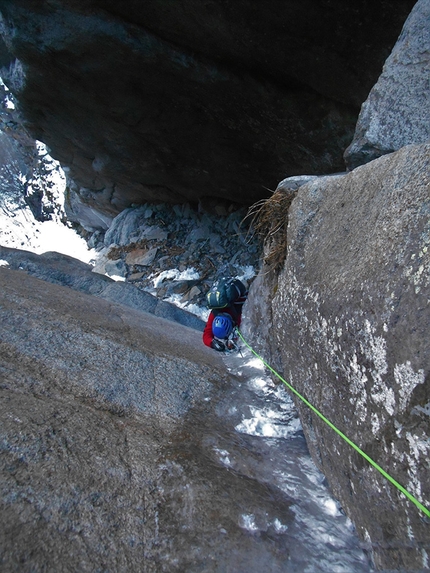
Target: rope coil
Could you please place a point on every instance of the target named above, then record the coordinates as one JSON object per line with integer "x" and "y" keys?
{"x": 341, "y": 434}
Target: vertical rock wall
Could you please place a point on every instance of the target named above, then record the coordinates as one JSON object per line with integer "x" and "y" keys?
{"x": 397, "y": 110}
{"x": 351, "y": 319}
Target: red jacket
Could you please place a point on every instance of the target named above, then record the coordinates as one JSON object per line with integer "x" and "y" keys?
{"x": 207, "y": 333}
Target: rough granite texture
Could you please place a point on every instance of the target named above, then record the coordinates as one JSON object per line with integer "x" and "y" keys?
{"x": 351, "y": 319}
{"x": 397, "y": 111}
{"x": 108, "y": 444}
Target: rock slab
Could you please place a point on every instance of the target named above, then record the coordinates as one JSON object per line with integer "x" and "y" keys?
{"x": 108, "y": 443}
{"x": 64, "y": 270}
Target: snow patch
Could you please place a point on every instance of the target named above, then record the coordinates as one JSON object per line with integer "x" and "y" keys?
{"x": 247, "y": 521}
{"x": 176, "y": 275}
{"x": 279, "y": 527}
{"x": 202, "y": 313}
{"x": 223, "y": 456}
{"x": 331, "y": 507}
{"x": 18, "y": 227}
{"x": 268, "y": 423}
{"x": 255, "y": 363}
{"x": 116, "y": 278}
{"x": 248, "y": 272}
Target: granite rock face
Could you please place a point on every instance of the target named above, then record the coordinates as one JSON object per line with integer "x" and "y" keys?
{"x": 350, "y": 318}
{"x": 397, "y": 111}
{"x": 64, "y": 270}
{"x": 109, "y": 438}
{"x": 148, "y": 102}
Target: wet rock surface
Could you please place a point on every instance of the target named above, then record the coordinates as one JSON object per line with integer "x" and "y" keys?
{"x": 350, "y": 317}
{"x": 151, "y": 103}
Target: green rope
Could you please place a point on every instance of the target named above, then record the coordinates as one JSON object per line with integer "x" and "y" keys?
{"x": 341, "y": 434}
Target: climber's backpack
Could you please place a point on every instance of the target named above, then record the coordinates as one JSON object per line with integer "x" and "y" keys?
{"x": 224, "y": 292}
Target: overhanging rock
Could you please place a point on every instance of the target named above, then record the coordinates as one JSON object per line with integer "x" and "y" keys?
{"x": 146, "y": 102}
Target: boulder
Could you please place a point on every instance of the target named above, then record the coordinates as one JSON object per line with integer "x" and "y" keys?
{"x": 178, "y": 244}
{"x": 133, "y": 225}
{"x": 64, "y": 270}
{"x": 145, "y": 102}
{"x": 81, "y": 208}
{"x": 397, "y": 111}
{"x": 115, "y": 268}
{"x": 349, "y": 320}
{"x": 142, "y": 257}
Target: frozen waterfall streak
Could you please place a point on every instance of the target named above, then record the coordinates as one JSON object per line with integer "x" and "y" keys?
{"x": 341, "y": 434}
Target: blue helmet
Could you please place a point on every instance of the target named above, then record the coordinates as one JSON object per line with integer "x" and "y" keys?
{"x": 222, "y": 325}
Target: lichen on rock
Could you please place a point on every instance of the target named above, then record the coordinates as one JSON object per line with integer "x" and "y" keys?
{"x": 350, "y": 320}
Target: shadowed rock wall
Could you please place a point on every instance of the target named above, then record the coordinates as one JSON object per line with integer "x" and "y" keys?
{"x": 152, "y": 101}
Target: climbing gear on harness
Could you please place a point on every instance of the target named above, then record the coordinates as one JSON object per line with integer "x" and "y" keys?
{"x": 222, "y": 325}
{"x": 341, "y": 434}
{"x": 228, "y": 344}
{"x": 217, "y": 345}
{"x": 231, "y": 343}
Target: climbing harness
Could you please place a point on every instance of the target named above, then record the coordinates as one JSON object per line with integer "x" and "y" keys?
{"x": 232, "y": 345}
{"x": 341, "y": 434}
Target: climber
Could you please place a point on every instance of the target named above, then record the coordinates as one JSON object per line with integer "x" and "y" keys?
{"x": 223, "y": 318}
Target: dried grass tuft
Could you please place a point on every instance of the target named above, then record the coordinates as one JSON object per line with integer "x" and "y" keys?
{"x": 268, "y": 219}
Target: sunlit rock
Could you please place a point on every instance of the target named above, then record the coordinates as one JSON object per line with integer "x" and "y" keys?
{"x": 397, "y": 111}
{"x": 349, "y": 321}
